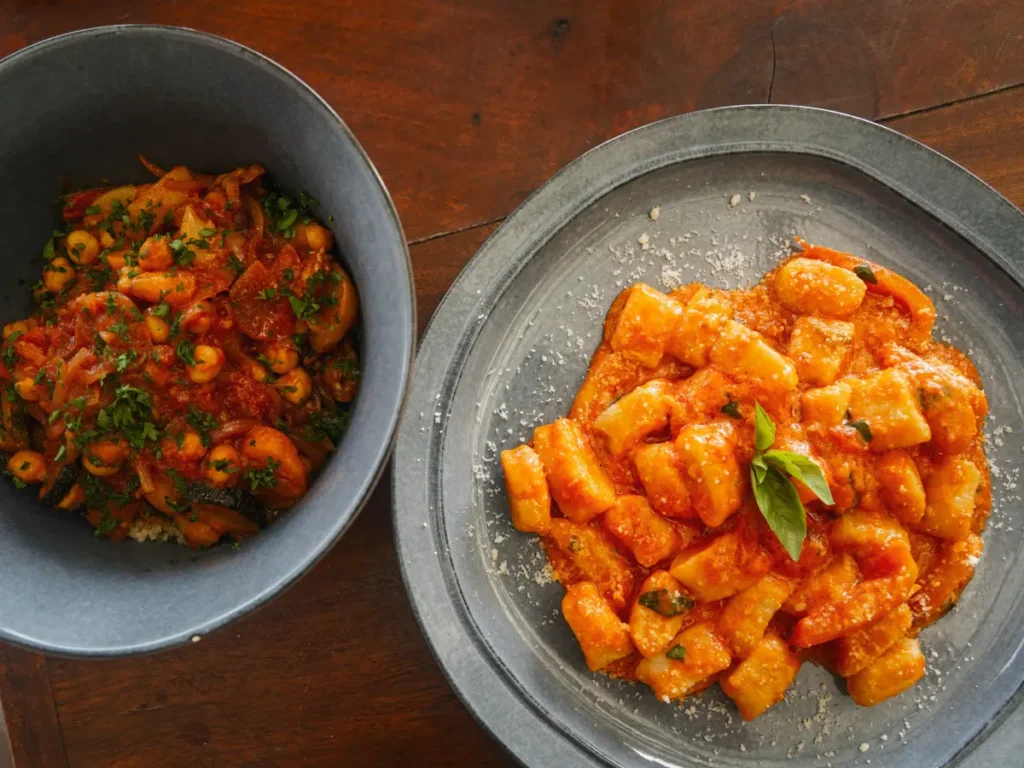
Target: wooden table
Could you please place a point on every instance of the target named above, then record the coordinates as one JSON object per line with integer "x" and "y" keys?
{"x": 466, "y": 106}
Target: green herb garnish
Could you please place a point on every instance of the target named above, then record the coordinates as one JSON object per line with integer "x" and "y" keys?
{"x": 677, "y": 652}
{"x": 263, "y": 478}
{"x": 865, "y": 273}
{"x": 662, "y": 602}
{"x": 732, "y": 410}
{"x": 186, "y": 352}
{"x": 771, "y": 475}
{"x": 864, "y": 429}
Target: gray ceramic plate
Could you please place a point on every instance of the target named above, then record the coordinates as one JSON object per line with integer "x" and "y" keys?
{"x": 79, "y": 108}
{"x": 510, "y": 344}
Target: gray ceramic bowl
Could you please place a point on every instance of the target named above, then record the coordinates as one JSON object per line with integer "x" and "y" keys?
{"x": 87, "y": 104}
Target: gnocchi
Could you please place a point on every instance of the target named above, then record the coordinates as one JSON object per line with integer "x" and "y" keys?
{"x": 754, "y": 478}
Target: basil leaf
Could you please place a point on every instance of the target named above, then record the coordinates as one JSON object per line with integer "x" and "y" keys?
{"x": 804, "y": 470}
{"x": 732, "y": 410}
{"x": 758, "y": 467}
{"x": 864, "y": 429}
{"x": 864, "y": 272}
{"x": 677, "y": 652}
{"x": 660, "y": 601}
{"x": 778, "y": 501}
{"x": 764, "y": 429}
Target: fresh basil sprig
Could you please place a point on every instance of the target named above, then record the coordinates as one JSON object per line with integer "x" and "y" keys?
{"x": 777, "y": 498}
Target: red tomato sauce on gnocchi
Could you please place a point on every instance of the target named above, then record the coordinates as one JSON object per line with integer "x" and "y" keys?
{"x": 751, "y": 479}
{"x": 191, "y": 362}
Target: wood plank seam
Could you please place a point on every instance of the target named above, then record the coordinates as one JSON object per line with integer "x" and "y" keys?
{"x": 460, "y": 230}
{"x": 964, "y": 100}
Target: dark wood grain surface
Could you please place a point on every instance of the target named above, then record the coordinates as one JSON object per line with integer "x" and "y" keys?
{"x": 466, "y": 106}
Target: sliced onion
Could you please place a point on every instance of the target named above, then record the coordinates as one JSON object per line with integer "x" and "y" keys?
{"x": 145, "y": 478}
{"x": 231, "y": 428}
{"x": 256, "y": 220}
{"x": 152, "y": 167}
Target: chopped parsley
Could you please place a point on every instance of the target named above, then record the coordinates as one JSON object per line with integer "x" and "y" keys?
{"x": 284, "y": 212}
{"x": 263, "y": 478}
{"x": 223, "y": 465}
{"x": 350, "y": 369}
{"x": 10, "y": 355}
{"x": 186, "y": 352}
{"x": 124, "y": 360}
{"x": 235, "y": 264}
{"x": 201, "y": 422}
{"x": 182, "y": 255}
{"x": 732, "y": 409}
{"x": 160, "y": 310}
{"x": 129, "y": 414}
{"x": 325, "y": 425}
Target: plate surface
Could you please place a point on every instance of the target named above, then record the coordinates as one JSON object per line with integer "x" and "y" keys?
{"x": 510, "y": 344}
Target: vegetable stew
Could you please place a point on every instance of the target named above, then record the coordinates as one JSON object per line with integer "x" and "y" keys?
{"x": 191, "y": 362}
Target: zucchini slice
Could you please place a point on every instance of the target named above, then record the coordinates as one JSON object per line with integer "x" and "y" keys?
{"x": 52, "y": 493}
{"x": 233, "y": 498}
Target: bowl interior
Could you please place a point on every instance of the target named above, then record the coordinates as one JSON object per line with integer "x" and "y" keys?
{"x": 724, "y": 220}
{"x": 88, "y": 104}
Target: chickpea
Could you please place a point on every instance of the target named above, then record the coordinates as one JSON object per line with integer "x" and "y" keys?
{"x": 333, "y": 321}
{"x": 222, "y": 465}
{"x": 116, "y": 261}
{"x": 155, "y": 255}
{"x": 20, "y": 326}
{"x": 262, "y": 443}
{"x": 295, "y": 386}
{"x": 253, "y": 370}
{"x": 199, "y": 317}
{"x": 187, "y": 445}
{"x": 209, "y": 361}
{"x": 58, "y": 275}
{"x": 124, "y": 279}
{"x": 83, "y": 248}
{"x": 159, "y": 330}
{"x": 175, "y": 289}
{"x": 281, "y": 356}
{"x": 104, "y": 457}
{"x": 28, "y": 466}
{"x": 319, "y": 238}
{"x": 39, "y": 293}
{"x": 27, "y": 390}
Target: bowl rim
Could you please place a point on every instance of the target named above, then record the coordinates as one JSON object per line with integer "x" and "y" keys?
{"x": 357, "y": 502}
{"x": 474, "y": 670}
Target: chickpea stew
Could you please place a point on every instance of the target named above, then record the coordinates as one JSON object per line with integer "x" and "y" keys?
{"x": 751, "y": 479}
{"x": 191, "y": 362}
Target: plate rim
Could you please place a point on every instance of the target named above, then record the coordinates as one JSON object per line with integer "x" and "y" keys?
{"x": 518, "y": 725}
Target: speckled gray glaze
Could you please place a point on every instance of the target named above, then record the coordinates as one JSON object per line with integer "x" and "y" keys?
{"x": 509, "y": 346}
{"x": 78, "y": 109}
